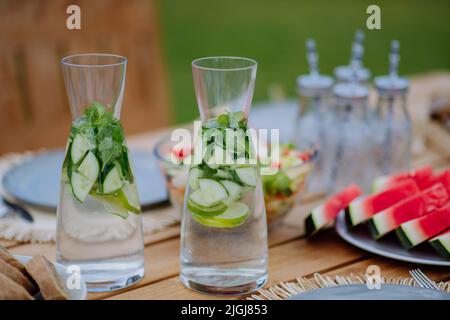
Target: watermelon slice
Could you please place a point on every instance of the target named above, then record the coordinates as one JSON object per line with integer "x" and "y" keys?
{"x": 420, "y": 176}
{"x": 443, "y": 178}
{"x": 419, "y": 230}
{"x": 410, "y": 208}
{"x": 362, "y": 209}
{"x": 327, "y": 212}
{"x": 441, "y": 244}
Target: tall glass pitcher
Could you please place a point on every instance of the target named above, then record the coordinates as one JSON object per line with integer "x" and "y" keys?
{"x": 99, "y": 215}
{"x": 224, "y": 231}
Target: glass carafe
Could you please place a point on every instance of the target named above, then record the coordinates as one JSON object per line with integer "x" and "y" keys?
{"x": 224, "y": 232}
{"x": 314, "y": 119}
{"x": 351, "y": 143}
{"x": 99, "y": 216}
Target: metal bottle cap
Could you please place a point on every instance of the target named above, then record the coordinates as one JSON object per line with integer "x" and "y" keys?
{"x": 313, "y": 84}
{"x": 392, "y": 84}
{"x": 347, "y": 73}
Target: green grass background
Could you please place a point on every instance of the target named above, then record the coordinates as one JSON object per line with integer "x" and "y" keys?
{"x": 274, "y": 32}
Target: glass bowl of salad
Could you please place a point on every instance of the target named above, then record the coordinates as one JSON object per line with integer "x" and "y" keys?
{"x": 173, "y": 162}
{"x": 281, "y": 190}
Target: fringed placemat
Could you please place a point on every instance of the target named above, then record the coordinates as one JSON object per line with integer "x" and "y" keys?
{"x": 284, "y": 290}
{"x": 43, "y": 229}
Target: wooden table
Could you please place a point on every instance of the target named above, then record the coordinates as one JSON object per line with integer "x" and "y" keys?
{"x": 290, "y": 254}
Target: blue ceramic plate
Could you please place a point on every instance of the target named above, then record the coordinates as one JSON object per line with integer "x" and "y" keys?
{"x": 361, "y": 292}
{"x": 36, "y": 182}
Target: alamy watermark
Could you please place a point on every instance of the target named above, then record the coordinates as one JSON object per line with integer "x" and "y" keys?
{"x": 374, "y": 20}
{"x": 373, "y": 277}
{"x": 73, "y": 21}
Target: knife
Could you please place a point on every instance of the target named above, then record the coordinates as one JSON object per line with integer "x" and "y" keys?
{"x": 22, "y": 212}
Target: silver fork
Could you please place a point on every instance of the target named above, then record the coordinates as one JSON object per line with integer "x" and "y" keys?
{"x": 422, "y": 280}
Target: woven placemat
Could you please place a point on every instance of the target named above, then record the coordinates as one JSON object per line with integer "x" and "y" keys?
{"x": 43, "y": 229}
{"x": 284, "y": 290}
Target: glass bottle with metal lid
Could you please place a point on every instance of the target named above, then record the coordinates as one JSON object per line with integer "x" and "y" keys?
{"x": 349, "y": 137}
{"x": 346, "y": 73}
{"x": 314, "y": 92}
{"x": 394, "y": 134}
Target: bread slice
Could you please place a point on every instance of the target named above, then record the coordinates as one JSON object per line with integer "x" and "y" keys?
{"x": 17, "y": 276}
{"x": 12, "y": 261}
{"x": 10, "y": 290}
{"x": 5, "y": 255}
{"x": 44, "y": 274}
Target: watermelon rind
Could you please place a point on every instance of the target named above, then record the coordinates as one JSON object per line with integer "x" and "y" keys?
{"x": 354, "y": 213}
{"x": 380, "y": 184}
{"x": 379, "y": 225}
{"x": 373, "y": 229}
{"x": 442, "y": 244}
{"x": 405, "y": 238}
{"x": 315, "y": 220}
{"x": 310, "y": 226}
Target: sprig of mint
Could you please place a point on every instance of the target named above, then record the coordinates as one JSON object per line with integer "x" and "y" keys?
{"x": 106, "y": 132}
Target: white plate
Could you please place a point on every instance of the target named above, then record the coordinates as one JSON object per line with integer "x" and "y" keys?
{"x": 361, "y": 292}
{"x": 389, "y": 246}
{"x": 74, "y": 294}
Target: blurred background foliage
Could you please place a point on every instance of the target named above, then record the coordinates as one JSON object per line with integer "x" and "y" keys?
{"x": 274, "y": 33}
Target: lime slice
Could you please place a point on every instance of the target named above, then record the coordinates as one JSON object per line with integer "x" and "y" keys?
{"x": 112, "y": 204}
{"x": 205, "y": 211}
{"x": 129, "y": 198}
{"x": 234, "y": 216}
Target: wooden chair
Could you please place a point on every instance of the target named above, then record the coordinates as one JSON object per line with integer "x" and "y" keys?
{"x": 34, "y": 111}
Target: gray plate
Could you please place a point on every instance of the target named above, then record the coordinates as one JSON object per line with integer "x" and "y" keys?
{"x": 361, "y": 292}
{"x": 36, "y": 182}
{"x": 389, "y": 247}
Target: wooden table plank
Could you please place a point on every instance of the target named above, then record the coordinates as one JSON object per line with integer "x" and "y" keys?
{"x": 286, "y": 261}
{"x": 8, "y": 243}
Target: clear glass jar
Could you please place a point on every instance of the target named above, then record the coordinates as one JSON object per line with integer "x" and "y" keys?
{"x": 312, "y": 122}
{"x": 393, "y": 122}
{"x": 350, "y": 142}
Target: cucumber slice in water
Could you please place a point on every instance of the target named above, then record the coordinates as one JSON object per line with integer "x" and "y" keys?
{"x": 247, "y": 176}
{"x": 234, "y": 216}
{"x": 113, "y": 181}
{"x": 212, "y": 191}
{"x": 81, "y": 186}
{"x": 80, "y": 146}
{"x": 194, "y": 175}
{"x": 234, "y": 190}
{"x": 89, "y": 167}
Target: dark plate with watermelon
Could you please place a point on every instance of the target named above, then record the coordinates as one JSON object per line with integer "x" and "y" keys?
{"x": 388, "y": 247}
